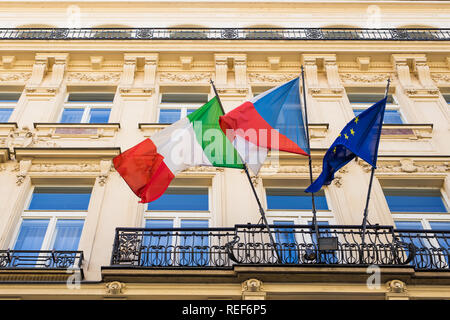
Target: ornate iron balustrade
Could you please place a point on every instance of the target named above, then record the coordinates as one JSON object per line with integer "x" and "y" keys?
{"x": 294, "y": 245}
{"x": 54, "y": 259}
{"x": 409, "y": 34}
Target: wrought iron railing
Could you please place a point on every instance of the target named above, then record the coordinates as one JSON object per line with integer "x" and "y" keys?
{"x": 294, "y": 245}
{"x": 409, "y": 34}
{"x": 48, "y": 259}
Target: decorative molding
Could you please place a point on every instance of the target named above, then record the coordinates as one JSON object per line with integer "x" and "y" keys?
{"x": 184, "y": 77}
{"x": 203, "y": 169}
{"x": 364, "y": 78}
{"x": 17, "y": 76}
{"x": 65, "y": 167}
{"x": 233, "y": 92}
{"x": 24, "y": 167}
{"x": 252, "y": 285}
{"x": 115, "y": 287}
{"x": 441, "y": 78}
{"x": 422, "y": 93}
{"x": 271, "y": 77}
{"x": 406, "y": 166}
{"x": 136, "y": 92}
{"x": 396, "y": 286}
{"x": 24, "y": 138}
{"x": 112, "y": 77}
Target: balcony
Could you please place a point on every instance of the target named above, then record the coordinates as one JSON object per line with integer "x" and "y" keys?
{"x": 48, "y": 259}
{"x": 295, "y": 245}
{"x": 409, "y": 34}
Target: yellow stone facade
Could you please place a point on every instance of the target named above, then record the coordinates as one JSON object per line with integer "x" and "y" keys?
{"x": 35, "y": 149}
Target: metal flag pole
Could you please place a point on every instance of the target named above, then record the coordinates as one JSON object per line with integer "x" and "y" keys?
{"x": 261, "y": 209}
{"x": 366, "y": 209}
{"x": 314, "y": 223}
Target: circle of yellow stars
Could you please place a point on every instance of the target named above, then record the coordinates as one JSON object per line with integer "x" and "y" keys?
{"x": 346, "y": 135}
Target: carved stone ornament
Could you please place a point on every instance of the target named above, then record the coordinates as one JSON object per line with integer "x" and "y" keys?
{"x": 316, "y": 168}
{"x": 407, "y": 166}
{"x": 252, "y": 285}
{"x": 396, "y": 286}
{"x": 65, "y": 167}
{"x": 441, "y": 77}
{"x": 271, "y": 77}
{"x": 24, "y": 138}
{"x": 18, "y": 76}
{"x": 184, "y": 77}
{"x": 115, "y": 287}
{"x": 203, "y": 169}
{"x": 363, "y": 78}
{"x": 93, "y": 77}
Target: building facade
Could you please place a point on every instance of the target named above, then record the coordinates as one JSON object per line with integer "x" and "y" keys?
{"x": 81, "y": 82}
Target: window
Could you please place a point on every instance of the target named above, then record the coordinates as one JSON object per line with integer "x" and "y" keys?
{"x": 87, "y": 108}
{"x": 53, "y": 220}
{"x": 182, "y": 248}
{"x": 8, "y": 101}
{"x": 178, "y": 207}
{"x": 175, "y": 106}
{"x": 292, "y": 206}
{"x": 421, "y": 209}
{"x": 361, "y": 102}
{"x": 294, "y": 199}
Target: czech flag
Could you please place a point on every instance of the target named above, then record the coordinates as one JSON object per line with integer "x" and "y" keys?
{"x": 273, "y": 120}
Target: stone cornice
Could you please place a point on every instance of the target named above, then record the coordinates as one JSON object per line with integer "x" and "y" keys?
{"x": 65, "y": 153}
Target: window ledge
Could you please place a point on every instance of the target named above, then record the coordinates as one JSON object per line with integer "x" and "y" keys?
{"x": 149, "y": 129}
{"x": 77, "y": 130}
{"x": 407, "y": 131}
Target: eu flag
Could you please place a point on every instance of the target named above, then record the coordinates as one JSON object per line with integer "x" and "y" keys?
{"x": 359, "y": 138}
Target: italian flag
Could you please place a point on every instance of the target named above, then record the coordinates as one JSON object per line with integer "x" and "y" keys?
{"x": 197, "y": 140}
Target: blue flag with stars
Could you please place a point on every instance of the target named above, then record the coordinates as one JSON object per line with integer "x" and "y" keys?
{"x": 359, "y": 138}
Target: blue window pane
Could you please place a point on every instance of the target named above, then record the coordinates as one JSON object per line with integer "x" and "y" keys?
{"x": 422, "y": 257}
{"x": 5, "y": 113}
{"x": 189, "y": 111}
{"x": 99, "y": 115}
{"x": 181, "y": 199}
{"x": 156, "y": 249}
{"x": 285, "y": 239}
{"x": 390, "y": 116}
{"x": 194, "y": 244}
{"x": 68, "y": 233}
{"x": 412, "y": 225}
{"x": 31, "y": 234}
{"x": 438, "y": 225}
{"x": 443, "y": 238}
{"x": 414, "y": 200}
{"x": 294, "y": 199}
{"x": 72, "y": 115}
{"x": 169, "y": 115}
{"x": 48, "y": 198}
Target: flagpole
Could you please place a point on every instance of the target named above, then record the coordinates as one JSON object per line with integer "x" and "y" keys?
{"x": 314, "y": 223}
{"x": 261, "y": 209}
{"x": 366, "y": 209}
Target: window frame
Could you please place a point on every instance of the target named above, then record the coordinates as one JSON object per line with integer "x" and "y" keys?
{"x": 300, "y": 216}
{"x": 177, "y": 216}
{"x": 52, "y": 215}
{"x": 86, "y": 108}
{"x": 9, "y": 104}
{"x": 182, "y": 106}
{"x": 389, "y": 106}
